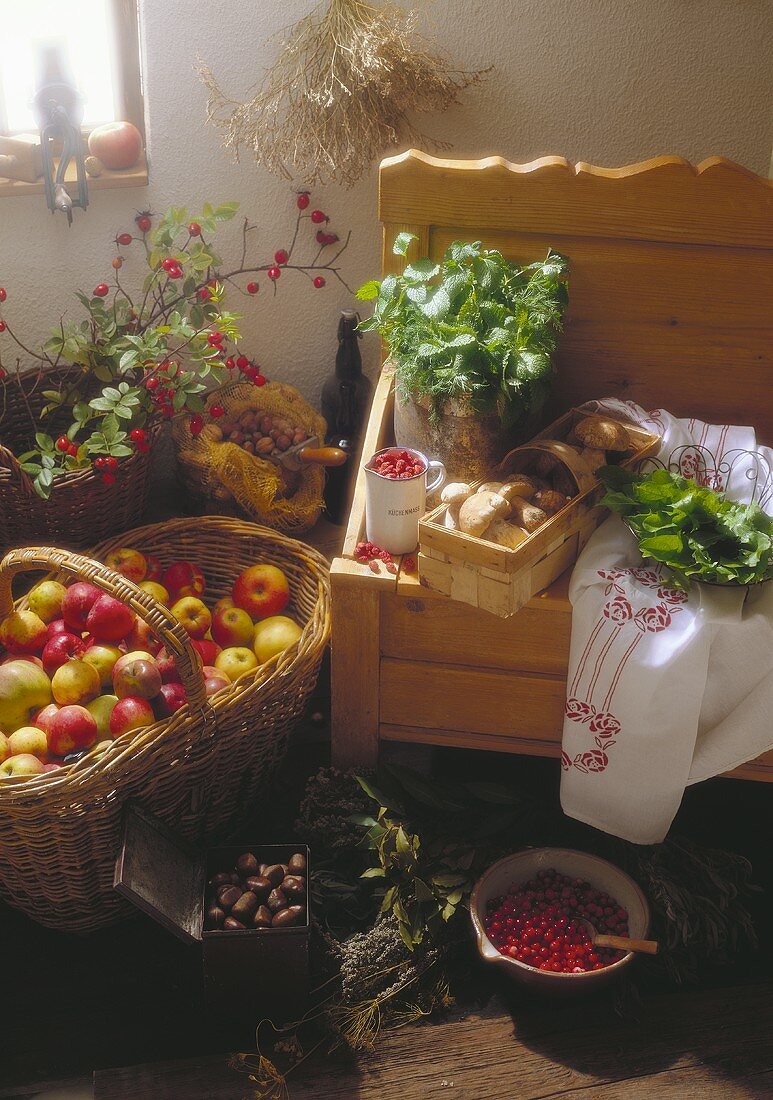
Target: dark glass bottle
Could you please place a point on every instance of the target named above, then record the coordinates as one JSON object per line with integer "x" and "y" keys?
{"x": 346, "y": 399}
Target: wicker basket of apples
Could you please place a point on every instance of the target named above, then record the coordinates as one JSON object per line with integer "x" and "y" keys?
{"x": 168, "y": 668}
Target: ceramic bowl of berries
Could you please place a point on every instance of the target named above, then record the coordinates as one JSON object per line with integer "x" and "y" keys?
{"x": 530, "y": 909}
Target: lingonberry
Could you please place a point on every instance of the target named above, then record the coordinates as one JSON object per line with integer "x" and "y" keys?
{"x": 3, "y": 373}
{"x": 319, "y": 282}
{"x": 216, "y": 411}
{"x": 169, "y": 263}
{"x": 124, "y": 238}
{"x": 230, "y": 362}
{"x": 72, "y": 450}
{"x": 101, "y": 290}
{"x": 99, "y": 463}
{"x": 274, "y": 273}
{"x": 215, "y": 339}
{"x": 108, "y": 479}
{"x": 143, "y": 222}
{"x": 318, "y": 217}
{"x": 242, "y": 362}
{"x": 196, "y": 423}
{"x": 252, "y": 288}
{"x": 325, "y": 239}
{"x": 2, "y": 326}
{"x": 117, "y": 263}
{"x": 259, "y": 380}
{"x": 303, "y": 200}
{"x": 151, "y": 383}
{"x": 3, "y": 294}
{"x": 63, "y": 444}
{"x": 138, "y": 435}
{"x": 281, "y": 256}
{"x": 194, "y": 229}
{"x": 205, "y": 294}
{"x": 111, "y": 463}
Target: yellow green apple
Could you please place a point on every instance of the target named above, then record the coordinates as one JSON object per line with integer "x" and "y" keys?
{"x": 193, "y": 615}
{"x": 103, "y": 658}
{"x": 22, "y": 765}
{"x": 5, "y": 748}
{"x": 75, "y": 682}
{"x": 28, "y": 739}
{"x": 274, "y": 635}
{"x": 23, "y": 632}
{"x": 45, "y": 600}
{"x": 156, "y": 590}
{"x": 100, "y": 710}
{"x": 24, "y": 689}
{"x": 130, "y": 563}
{"x": 235, "y": 661}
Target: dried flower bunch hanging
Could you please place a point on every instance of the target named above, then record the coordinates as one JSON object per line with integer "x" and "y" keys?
{"x": 341, "y": 91}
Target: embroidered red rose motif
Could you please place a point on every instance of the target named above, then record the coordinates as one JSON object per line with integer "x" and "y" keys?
{"x": 672, "y": 595}
{"x": 604, "y": 725}
{"x": 618, "y": 610}
{"x": 651, "y": 620}
{"x": 593, "y": 760}
{"x": 578, "y": 710}
{"x": 649, "y": 577}
{"x": 566, "y": 761}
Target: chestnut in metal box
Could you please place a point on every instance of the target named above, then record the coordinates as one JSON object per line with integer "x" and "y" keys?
{"x": 522, "y": 866}
{"x": 254, "y": 973}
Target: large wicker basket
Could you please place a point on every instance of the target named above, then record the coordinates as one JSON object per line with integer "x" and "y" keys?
{"x": 81, "y": 509}
{"x": 200, "y": 771}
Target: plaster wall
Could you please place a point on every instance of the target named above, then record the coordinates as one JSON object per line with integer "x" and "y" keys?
{"x": 608, "y": 81}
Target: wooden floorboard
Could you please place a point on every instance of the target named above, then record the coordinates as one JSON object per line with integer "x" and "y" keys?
{"x": 689, "y": 1045}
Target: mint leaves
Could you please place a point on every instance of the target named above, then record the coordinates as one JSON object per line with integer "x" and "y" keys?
{"x": 691, "y": 529}
{"x": 472, "y": 325}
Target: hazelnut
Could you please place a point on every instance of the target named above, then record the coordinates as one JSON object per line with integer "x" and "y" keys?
{"x": 265, "y": 446}
{"x": 260, "y": 886}
{"x": 297, "y": 864}
{"x": 277, "y": 900}
{"x": 236, "y": 437}
{"x": 262, "y": 918}
{"x": 233, "y": 925}
{"x": 249, "y": 448}
{"x": 274, "y": 873}
{"x": 266, "y": 424}
{"x": 247, "y": 865}
{"x": 299, "y": 436}
{"x": 228, "y": 896}
{"x": 246, "y": 907}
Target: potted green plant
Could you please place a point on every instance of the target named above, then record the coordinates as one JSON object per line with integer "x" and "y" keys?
{"x": 472, "y": 338}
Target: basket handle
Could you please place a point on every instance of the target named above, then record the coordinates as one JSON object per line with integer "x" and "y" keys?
{"x": 9, "y": 460}
{"x": 158, "y": 617}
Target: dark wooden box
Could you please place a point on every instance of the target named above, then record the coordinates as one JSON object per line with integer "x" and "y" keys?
{"x": 257, "y": 972}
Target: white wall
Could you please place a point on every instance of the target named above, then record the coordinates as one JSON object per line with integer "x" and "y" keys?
{"x": 609, "y": 81}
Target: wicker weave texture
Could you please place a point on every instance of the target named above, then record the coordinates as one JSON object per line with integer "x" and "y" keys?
{"x": 200, "y": 771}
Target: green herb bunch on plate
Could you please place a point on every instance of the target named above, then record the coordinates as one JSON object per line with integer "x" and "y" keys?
{"x": 691, "y": 529}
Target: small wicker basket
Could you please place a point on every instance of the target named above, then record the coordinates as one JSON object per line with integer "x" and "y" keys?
{"x": 200, "y": 771}
{"x": 81, "y": 509}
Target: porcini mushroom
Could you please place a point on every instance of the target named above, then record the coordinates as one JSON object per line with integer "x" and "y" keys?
{"x": 606, "y": 435}
{"x": 505, "y": 534}
{"x": 480, "y": 510}
{"x": 527, "y": 515}
{"x": 453, "y": 496}
{"x": 550, "y": 501}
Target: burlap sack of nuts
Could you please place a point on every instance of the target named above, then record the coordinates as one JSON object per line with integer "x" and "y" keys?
{"x": 221, "y": 465}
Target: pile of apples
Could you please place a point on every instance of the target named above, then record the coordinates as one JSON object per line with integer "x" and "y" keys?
{"x": 82, "y": 668}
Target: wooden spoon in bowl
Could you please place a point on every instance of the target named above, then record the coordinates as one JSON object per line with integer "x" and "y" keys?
{"x": 619, "y": 943}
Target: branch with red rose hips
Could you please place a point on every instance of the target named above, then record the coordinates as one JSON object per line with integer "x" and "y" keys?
{"x": 156, "y": 354}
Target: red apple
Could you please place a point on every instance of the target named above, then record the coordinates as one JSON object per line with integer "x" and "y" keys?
{"x": 58, "y": 626}
{"x": 60, "y": 648}
{"x": 45, "y": 717}
{"x": 222, "y": 604}
{"x": 110, "y": 620}
{"x": 155, "y": 569}
{"x": 132, "y": 655}
{"x": 183, "y": 578}
{"x": 117, "y": 144}
{"x": 235, "y": 661}
{"x": 169, "y": 699}
{"x": 23, "y": 765}
{"x": 232, "y": 626}
{"x": 142, "y": 637}
{"x": 75, "y": 682}
{"x": 167, "y": 666}
{"x": 72, "y": 728}
{"x": 193, "y": 615}
{"x": 52, "y": 767}
{"x": 29, "y": 739}
{"x": 77, "y": 601}
{"x": 22, "y": 657}
{"x": 129, "y": 563}
{"x": 45, "y": 600}
{"x": 24, "y": 688}
{"x": 214, "y": 679}
{"x": 23, "y": 632}
{"x": 138, "y": 677}
{"x": 131, "y": 713}
{"x": 261, "y": 590}
{"x": 206, "y": 649}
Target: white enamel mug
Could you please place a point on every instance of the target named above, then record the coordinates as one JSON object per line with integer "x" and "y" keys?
{"x": 394, "y": 506}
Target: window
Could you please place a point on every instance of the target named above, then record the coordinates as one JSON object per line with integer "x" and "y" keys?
{"x": 99, "y": 42}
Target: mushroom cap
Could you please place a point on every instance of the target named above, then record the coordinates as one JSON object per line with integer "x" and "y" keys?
{"x": 527, "y": 515}
{"x": 505, "y": 534}
{"x": 519, "y": 485}
{"x": 455, "y": 492}
{"x": 478, "y": 511}
{"x": 490, "y": 487}
{"x": 550, "y": 501}
{"x": 606, "y": 435}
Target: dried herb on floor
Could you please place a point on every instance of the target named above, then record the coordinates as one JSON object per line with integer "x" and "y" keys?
{"x": 347, "y": 79}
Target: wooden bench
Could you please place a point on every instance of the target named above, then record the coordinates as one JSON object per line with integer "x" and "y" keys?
{"x": 671, "y": 294}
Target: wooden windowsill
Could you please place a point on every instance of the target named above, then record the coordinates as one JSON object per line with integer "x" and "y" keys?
{"x": 137, "y": 176}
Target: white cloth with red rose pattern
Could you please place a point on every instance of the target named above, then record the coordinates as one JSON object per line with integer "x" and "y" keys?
{"x": 664, "y": 689}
